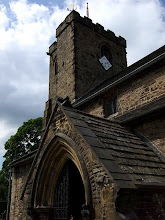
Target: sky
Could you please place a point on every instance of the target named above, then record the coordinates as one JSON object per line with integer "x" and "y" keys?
{"x": 27, "y": 29}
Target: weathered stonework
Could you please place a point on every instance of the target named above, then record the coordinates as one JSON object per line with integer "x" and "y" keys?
{"x": 131, "y": 95}
{"x": 74, "y": 58}
{"x": 143, "y": 90}
{"x": 94, "y": 107}
{"x": 101, "y": 184}
{"x": 102, "y": 187}
{"x": 116, "y": 167}
{"x": 18, "y": 207}
{"x": 154, "y": 131}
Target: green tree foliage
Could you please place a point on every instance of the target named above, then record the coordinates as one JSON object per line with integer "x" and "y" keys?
{"x": 25, "y": 140}
{"x": 3, "y": 184}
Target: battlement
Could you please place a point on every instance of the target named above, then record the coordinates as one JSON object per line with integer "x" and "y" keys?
{"x": 75, "y": 16}
{"x": 52, "y": 48}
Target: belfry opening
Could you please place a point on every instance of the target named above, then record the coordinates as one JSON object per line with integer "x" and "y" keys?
{"x": 69, "y": 193}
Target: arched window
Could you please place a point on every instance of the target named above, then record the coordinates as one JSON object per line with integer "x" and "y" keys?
{"x": 105, "y": 51}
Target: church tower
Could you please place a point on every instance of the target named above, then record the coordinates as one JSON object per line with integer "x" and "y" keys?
{"x": 84, "y": 55}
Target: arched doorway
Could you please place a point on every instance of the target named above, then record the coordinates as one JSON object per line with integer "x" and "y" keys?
{"x": 69, "y": 193}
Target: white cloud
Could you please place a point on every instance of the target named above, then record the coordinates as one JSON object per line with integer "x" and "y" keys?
{"x": 5, "y": 129}
{"x": 4, "y": 21}
{"x": 5, "y": 132}
{"x": 27, "y": 30}
{"x": 139, "y": 21}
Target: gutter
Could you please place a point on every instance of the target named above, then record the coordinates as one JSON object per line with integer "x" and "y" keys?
{"x": 127, "y": 76}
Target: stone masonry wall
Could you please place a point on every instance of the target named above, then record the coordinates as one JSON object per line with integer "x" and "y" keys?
{"x": 53, "y": 59}
{"x": 18, "y": 207}
{"x": 132, "y": 94}
{"x": 103, "y": 189}
{"x": 62, "y": 65}
{"x": 154, "y": 131}
{"x": 141, "y": 90}
{"x": 88, "y": 43}
{"x": 94, "y": 107}
{"x": 65, "y": 79}
{"x": 74, "y": 58}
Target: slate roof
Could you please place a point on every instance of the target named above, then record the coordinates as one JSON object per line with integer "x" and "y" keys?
{"x": 130, "y": 161}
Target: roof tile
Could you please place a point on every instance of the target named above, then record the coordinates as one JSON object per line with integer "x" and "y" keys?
{"x": 129, "y": 159}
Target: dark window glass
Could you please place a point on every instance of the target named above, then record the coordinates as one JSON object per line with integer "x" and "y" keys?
{"x": 110, "y": 106}
{"x": 105, "y": 51}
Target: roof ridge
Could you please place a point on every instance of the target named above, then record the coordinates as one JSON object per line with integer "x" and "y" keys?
{"x": 92, "y": 116}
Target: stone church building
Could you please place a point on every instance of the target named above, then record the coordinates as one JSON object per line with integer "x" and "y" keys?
{"x": 101, "y": 155}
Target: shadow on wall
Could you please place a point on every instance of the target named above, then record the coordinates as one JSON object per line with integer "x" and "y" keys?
{"x": 3, "y": 208}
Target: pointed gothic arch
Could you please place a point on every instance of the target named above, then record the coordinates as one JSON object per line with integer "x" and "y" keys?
{"x": 105, "y": 50}
{"x": 57, "y": 154}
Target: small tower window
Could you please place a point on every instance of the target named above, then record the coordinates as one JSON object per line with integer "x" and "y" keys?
{"x": 55, "y": 65}
{"x": 56, "y": 69}
{"x": 110, "y": 106}
{"x": 105, "y": 51}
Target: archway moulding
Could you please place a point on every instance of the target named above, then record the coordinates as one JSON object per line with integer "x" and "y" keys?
{"x": 59, "y": 149}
